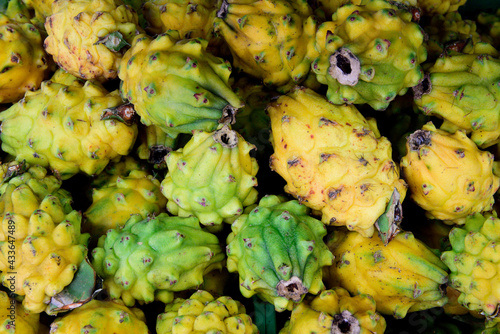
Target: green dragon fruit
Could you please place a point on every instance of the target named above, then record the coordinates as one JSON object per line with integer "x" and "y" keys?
{"x": 69, "y": 128}
{"x": 150, "y": 259}
{"x": 176, "y": 84}
{"x": 278, "y": 251}
{"x": 213, "y": 177}
{"x": 369, "y": 53}
{"x": 41, "y": 246}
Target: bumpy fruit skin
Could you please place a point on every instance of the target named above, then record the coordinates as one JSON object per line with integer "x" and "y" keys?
{"x": 446, "y": 29}
{"x": 369, "y": 53}
{"x": 61, "y": 127}
{"x": 432, "y": 7}
{"x": 448, "y": 176}
{"x": 192, "y": 19}
{"x": 176, "y": 84}
{"x": 40, "y": 232}
{"x": 14, "y": 318}
{"x": 270, "y": 40}
{"x": 333, "y": 159}
{"x": 113, "y": 202}
{"x": 490, "y": 22}
{"x": 278, "y": 251}
{"x": 150, "y": 259}
{"x": 23, "y": 61}
{"x": 203, "y": 313}
{"x": 98, "y": 316}
{"x": 474, "y": 263}
{"x": 462, "y": 89}
{"x": 335, "y": 311}
{"x": 77, "y": 31}
{"x": 213, "y": 177}
{"x": 404, "y": 276}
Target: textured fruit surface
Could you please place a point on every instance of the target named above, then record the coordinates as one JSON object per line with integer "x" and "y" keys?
{"x": 213, "y": 177}
{"x": 448, "y": 176}
{"x": 474, "y": 263}
{"x": 14, "y": 318}
{"x": 369, "y": 53}
{"x": 333, "y": 159}
{"x": 462, "y": 89}
{"x": 121, "y": 195}
{"x": 75, "y": 137}
{"x": 149, "y": 259}
{"x": 176, "y": 84}
{"x": 278, "y": 251}
{"x": 272, "y": 40}
{"x": 335, "y": 311}
{"x": 41, "y": 245}
{"x": 431, "y": 7}
{"x": 23, "y": 61}
{"x": 203, "y": 313}
{"x": 99, "y": 316}
{"x": 85, "y": 36}
{"x": 192, "y": 19}
{"x": 404, "y": 276}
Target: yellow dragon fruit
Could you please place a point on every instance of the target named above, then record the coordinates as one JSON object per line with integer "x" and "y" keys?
{"x": 335, "y": 311}
{"x": 203, "y": 313}
{"x": 402, "y": 276}
{"x": 23, "y": 61}
{"x": 41, "y": 246}
{"x": 461, "y": 88}
{"x": 14, "y": 318}
{"x": 333, "y": 159}
{"x": 272, "y": 40}
{"x": 120, "y": 195}
{"x": 87, "y": 37}
{"x": 101, "y": 316}
{"x": 448, "y": 176}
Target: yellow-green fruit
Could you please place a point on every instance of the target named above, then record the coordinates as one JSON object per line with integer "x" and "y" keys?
{"x": 23, "y": 61}
{"x": 203, "y": 313}
{"x": 151, "y": 259}
{"x": 41, "y": 246}
{"x": 463, "y": 90}
{"x": 335, "y": 311}
{"x": 67, "y": 128}
{"x": 491, "y": 23}
{"x": 404, "y": 276}
{"x": 369, "y": 53}
{"x": 272, "y": 40}
{"x": 213, "y": 177}
{"x": 192, "y": 19}
{"x": 114, "y": 201}
{"x": 177, "y": 85}
{"x": 474, "y": 263}
{"x": 448, "y": 176}
{"x": 86, "y": 37}
{"x": 14, "y": 318}
{"x": 431, "y": 7}
{"x": 101, "y": 317}
{"x": 333, "y": 159}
